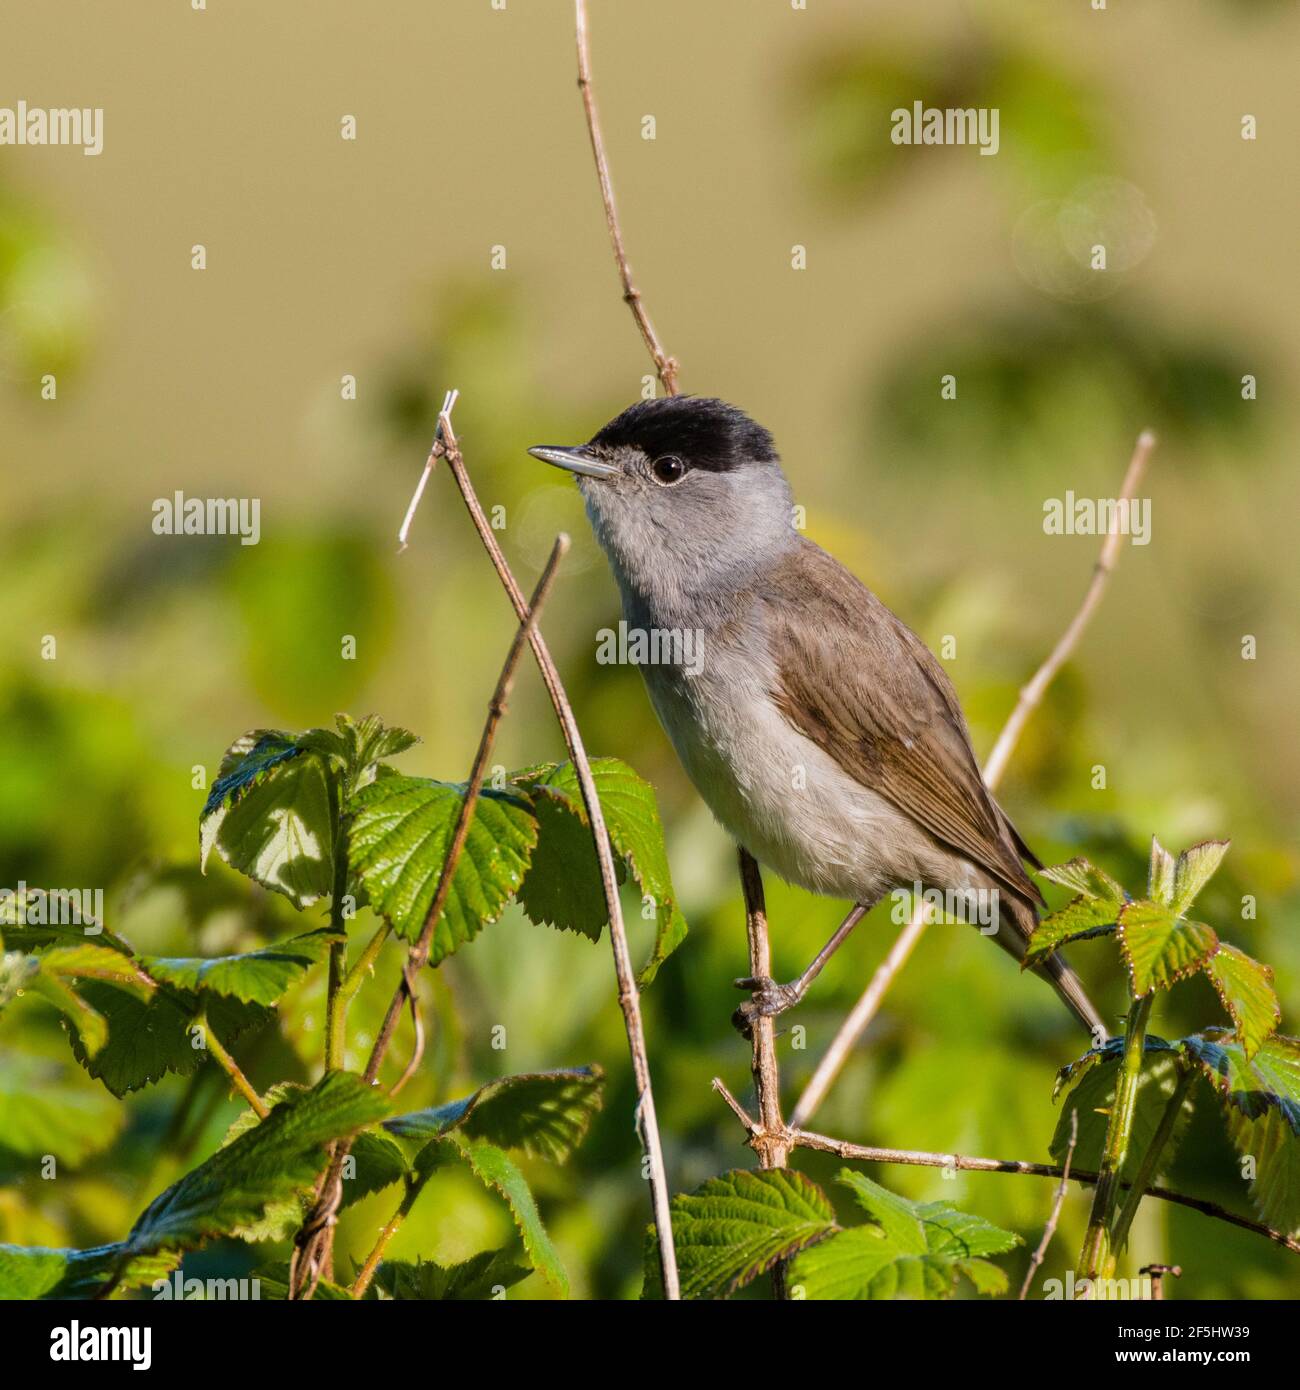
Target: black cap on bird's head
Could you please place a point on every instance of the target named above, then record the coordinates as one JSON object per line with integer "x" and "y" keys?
{"x": 696, "y": 431}
{"x": 681, "y": 490}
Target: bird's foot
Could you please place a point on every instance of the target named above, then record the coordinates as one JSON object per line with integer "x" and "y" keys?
{"x": 767, "y": 1000}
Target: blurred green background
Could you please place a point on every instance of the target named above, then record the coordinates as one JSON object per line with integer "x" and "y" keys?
{"x": 373, "y": 258}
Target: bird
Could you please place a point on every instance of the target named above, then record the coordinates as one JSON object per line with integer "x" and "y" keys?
{"x": 822, "y": 733}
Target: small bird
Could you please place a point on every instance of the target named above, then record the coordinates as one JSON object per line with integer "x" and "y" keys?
{"x": 820, "y": 730}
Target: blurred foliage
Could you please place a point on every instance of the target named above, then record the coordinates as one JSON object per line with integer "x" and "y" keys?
{"x": 166, "y": 644}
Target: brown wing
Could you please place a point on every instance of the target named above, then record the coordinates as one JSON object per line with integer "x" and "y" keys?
{"x": 868, "y": 692}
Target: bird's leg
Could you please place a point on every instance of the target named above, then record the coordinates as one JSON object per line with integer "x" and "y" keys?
{"x": 767, "y": 998}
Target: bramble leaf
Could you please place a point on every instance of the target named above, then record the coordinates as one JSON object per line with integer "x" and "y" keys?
{"x": 1246, "y": 988}
{"x": 272, "y": 814}
{"x": 738, "y": 1225}
{"x": 482, "y": 1276}
{"x": 28, "y": 1272}
{"x": 254, "y": 977}
{"x": 542, "y": 1113}
{"x": 146, "y": 1040}
{"x": 563, "y": 886}
{"x": 1160, "y": 948}
{"x": 910, "y": 1250}
{"x": 399, "y": 838}
{"x": 497, "y": 1170}
{"x": 268, "y": 1163}
{"x": 1193, "y": 870}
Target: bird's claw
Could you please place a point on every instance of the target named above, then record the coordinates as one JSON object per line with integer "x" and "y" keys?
{"x": 767, "y": 1000}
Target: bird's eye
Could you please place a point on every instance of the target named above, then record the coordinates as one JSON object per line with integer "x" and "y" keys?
{"x": 668, "y": 470}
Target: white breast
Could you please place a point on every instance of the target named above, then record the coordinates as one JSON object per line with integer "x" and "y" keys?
{"x": 790, "y": 804}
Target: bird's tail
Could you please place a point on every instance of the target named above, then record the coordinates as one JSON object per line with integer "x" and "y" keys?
{"x": 1018, "y": 920}
{"x": 1070, "y": 988}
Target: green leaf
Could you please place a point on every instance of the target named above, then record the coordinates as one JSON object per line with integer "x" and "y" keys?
{"x": 272, "y": 814}
{"x": 1270, "y": 1079}
{"x": 494, "y": 1168}
{"x": 1275, "y": 1149}
{"x": 146, "y": 1040}
{"x": 911, "y": 1250}
{"x": 358, "y": 746}
{"x": 270, "y": 1162}
{"x": 254, "y": 977}
{"x": 274, "y": 1280}
{"x": 1077, "y": 920}
{"x": 738, "y": 1225}
{"x": 1160, "y": 874}
{"x": 51, "y": 974}
{"x": 482, "y": 1276}
{"x": 377, "y": 1162}
{"x": 563, "y": 886}
{"x": 1246, "y": 988}
{"x": 546, "y": 1114}
{"x": 49, "y": 1108}
{"x": 1085, "y": 879}
{"x": 400, "y": 836}
{"x": 1194, "y": 869}
{"x": 1159, "y": 948}
{"x": 29, "y": 1272}
{"x": 1092, "y": 1094}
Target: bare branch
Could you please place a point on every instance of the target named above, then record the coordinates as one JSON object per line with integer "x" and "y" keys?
{"x": 1050, "y": 1229}
{"x": 628, "y": 997}
{"x": 768, "y": 1138}
{"x": 666, "y": 366}
{"x": 802, "y": 1138}
{"x": 853, "y": 1027}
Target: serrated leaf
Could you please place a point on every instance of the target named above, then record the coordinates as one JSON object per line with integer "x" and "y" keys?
{"x": 479, "y": 1277}
{"x": 148, "y": 1039}
{"x": 1159, "y": 948}
{"x": 1093, "y": 1096}
{"x": 272, "y": 814}
{"x": 1110, "y": 1051}
{"x": 1246, "y": 988}
{"x": 546, "y": 1114}
{"x": 1078, "y": 919}
{"x": 1275, "y": 1189}
{"x": 48, "y": 1108}
{"x": 497, "y": 1170}
{"x": 359, "y": 745}
{"x": 233, "y": 1188}
{"x": 1086, "y": 879}
{"x": 25, "y": 924}
{"x": 1251, "y": 1085}
{"x": 378, "y": 1162}
{"x": 912, "y": 1250}
{"x": 253, "y": 977}
{"x": 738, "y": 1225}
{"x": 399, "y": 837}
{"x": 1193, "y": 870}
{"x": 30, "y": 1272}
{"x": 563, "y": 885}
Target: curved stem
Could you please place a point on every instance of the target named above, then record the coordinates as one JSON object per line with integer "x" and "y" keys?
{"x": 1150, "y": 1161}
{"x": 1098, "y": 1244}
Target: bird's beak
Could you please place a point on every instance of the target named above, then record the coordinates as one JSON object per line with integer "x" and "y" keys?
{"x": 577, "y": 460}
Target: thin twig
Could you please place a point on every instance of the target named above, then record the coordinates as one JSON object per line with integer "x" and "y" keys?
{"x": 842, "y": 1045}
{"x": 1050, "y": 1229}
{"x": 419, "y": 954}
{"x": 804, "y": 1139}
{"x": 666, "y": 366}
{"x": 240, "y": 1082}
{"x": 628, "y": 997}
